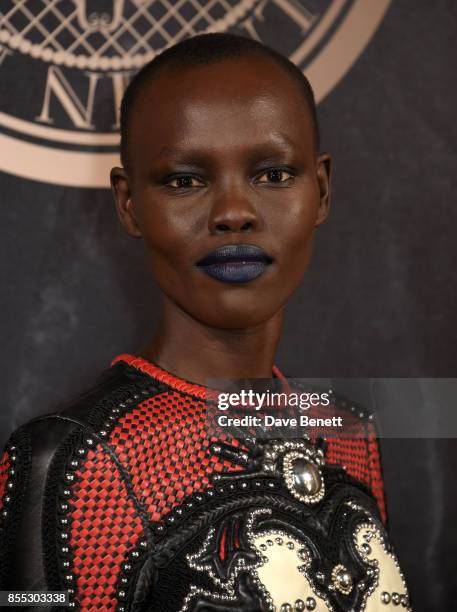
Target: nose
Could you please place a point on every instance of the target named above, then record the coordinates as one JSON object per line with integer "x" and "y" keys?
{"x": 232, "y": 212}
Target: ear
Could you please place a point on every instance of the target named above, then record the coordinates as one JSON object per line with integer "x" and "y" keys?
{"x": 123, "y": 199}
{"x": 324, "y": 169}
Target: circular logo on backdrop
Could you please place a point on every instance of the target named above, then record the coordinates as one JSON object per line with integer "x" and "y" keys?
{"x": 64, "y": 65}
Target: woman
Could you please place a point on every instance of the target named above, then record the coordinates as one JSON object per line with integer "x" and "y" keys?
{"x": 129, "y": 498}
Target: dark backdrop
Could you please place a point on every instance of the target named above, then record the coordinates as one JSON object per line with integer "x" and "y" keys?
{"x": 379, "y": 299}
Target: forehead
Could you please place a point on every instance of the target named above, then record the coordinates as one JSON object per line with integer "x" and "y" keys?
{"x": 233, "y": 104}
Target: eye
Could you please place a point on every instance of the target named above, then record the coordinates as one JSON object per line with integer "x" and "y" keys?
{"x": 184, "y": 181}
{"x": 275, "y": 175}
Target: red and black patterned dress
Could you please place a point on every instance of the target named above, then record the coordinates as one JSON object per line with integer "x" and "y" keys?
{"x": 128, "y": 500}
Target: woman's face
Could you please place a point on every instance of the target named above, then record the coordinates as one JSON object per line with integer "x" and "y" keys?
{"x": 223, "y": 155}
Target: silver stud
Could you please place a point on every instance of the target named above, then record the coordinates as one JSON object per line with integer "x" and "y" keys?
{"x": 81, "y": 451}
{"x": 342, "y": 579}
{"x": 69, "y": 476}
{"x": 286, "y": 607}
{"x": 290, "y": 545}
{"x": 74, "y": 464}
{"x": 404, "y": 601}
{"x": 366, "y": 549}
{"x": 300, "y": 605}
{"x": 396, "y": 599}
{"x": 279, "y": 541}
{"x": 270, "y": 542}
{"x": 385, "y": 597}
{"x": 310, "y": 603}
{"x": 121, "y": 594}
{"x": 263, "y": 547}
{"x": 89, "y": 441}
{"x": 10, "y": 486}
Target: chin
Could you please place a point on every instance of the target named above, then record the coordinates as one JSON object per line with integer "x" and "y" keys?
{"x": 236, "y": 316}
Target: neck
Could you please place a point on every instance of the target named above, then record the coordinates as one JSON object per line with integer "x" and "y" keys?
{"x": 194, "y": 351}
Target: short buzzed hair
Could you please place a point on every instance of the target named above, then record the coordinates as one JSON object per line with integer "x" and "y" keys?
{"x": 205, "y": 49}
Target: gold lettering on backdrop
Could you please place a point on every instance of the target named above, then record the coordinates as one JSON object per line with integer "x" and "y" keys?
{"x": 120, "y": 81}
{"x": 99, "y": 15}
{"x": 57, "y": 84}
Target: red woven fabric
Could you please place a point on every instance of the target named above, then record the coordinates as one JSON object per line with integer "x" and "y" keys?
{"x": 164, "y": 444}
{"x": 105, "y": 526}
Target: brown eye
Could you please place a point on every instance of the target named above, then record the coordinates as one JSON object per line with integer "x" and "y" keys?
{"x": 185, "y": 181}
{"x": 275, "y": 175}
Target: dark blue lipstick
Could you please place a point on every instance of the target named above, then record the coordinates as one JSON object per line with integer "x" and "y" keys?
{"x": 235, "y": 263}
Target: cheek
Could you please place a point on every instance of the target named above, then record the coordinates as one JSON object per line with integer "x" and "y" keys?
{"x": 167, "y": 238}
{"x": 295, "y": 228}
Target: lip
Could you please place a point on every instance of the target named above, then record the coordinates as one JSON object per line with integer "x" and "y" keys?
{"x": 235, "y": 263}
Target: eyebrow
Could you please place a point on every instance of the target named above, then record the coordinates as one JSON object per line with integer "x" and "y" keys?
{"x": 278, "y": 144}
